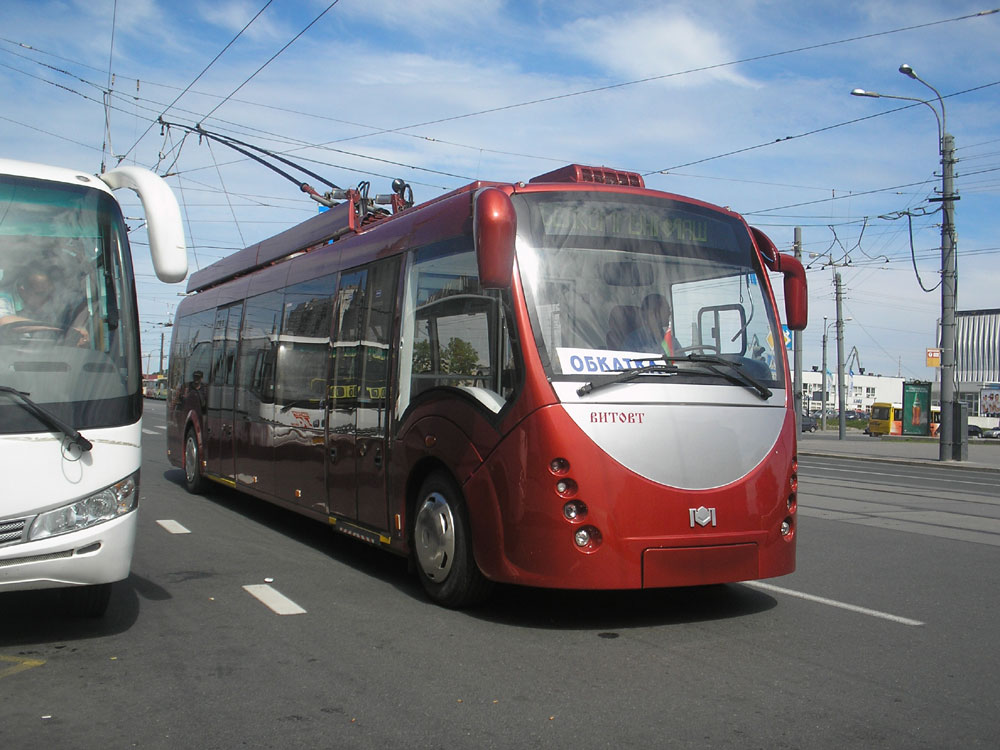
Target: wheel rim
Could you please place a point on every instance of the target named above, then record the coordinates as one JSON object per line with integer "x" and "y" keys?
{"x": 434, "y": 534}
{"x": 191, "y": 459}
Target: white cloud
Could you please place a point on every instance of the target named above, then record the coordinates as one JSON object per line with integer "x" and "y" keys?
{"x": 650, "y": 43}
{"x": 235, "y": 14}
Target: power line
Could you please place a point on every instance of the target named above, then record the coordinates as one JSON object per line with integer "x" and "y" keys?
{"x": 107, "y": 92}
{"x": 811, "y": 132}
{"x": 204, "y": 70}
{"x": 649, "y": 79}
{"x": 272, "y": 58}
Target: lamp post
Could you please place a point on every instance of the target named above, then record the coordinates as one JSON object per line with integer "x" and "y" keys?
{"x": 949, "y": 272}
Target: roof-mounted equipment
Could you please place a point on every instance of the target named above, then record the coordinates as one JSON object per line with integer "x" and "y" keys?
{"x": 597, "y": 175}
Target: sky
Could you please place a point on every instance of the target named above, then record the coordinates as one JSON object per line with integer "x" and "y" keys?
{"x": 741, "y": 103}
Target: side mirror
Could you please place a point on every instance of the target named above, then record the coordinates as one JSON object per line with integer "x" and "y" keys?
{"x": 494, "y": 226}
{"x": 796, "y": 290}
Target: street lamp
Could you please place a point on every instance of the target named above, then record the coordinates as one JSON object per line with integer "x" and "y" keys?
{"x": 949, "y": 273}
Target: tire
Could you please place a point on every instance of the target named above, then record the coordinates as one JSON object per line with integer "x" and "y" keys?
{"x": 86, "y": 601}
{"x": 193, "y": 480}
{"x": 442, "y": 545}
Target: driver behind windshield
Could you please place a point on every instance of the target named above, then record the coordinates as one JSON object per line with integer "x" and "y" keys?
{"x": 40, "y": 312}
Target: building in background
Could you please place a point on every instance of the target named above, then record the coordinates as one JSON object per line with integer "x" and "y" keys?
{"x": 862, "y": 391}
{"x": 977, "y": 359}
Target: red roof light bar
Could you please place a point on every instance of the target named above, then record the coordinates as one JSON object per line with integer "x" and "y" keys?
{"x": 598, "y": 175}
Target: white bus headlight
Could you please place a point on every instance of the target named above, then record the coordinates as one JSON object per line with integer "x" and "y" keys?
{"x": 106, "y": 505}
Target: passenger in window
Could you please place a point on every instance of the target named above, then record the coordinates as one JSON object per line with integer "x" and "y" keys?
{"x": 654, "y": 331}
{"x": 41, "y": 314}
{"x": 197, "y": 385}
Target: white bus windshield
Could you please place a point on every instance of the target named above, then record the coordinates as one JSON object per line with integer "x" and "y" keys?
{"x": 68, "y": 338}
{"x": 620, "y": 282}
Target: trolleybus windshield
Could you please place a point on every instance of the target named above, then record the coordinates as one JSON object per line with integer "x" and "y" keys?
{"x": 615, "y": 283}
{"x": 65, "y": 304}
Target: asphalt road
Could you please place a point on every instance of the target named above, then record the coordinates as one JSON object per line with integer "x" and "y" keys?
{"x": 884, "y": 637}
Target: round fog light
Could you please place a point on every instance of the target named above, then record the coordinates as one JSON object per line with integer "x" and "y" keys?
{"x": 559, "y": 466}
{"x": 786, "y": 527}
{"x": 574, "y": 510}
{"x": 587, "y": 538}
{"x": 566, "y": 487}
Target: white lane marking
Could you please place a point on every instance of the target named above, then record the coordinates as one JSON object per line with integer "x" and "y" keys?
{"x": 834, "y": 603}
{"x": 173, "y": 527}
{"x": 149, "y": 432}
{"x": 274, "y": 599}
{"x": 887, "y": 475}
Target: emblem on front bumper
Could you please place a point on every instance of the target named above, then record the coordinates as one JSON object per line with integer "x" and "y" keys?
{"x": 702, "y": 516}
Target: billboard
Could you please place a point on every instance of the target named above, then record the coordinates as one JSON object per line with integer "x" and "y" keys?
{"x": 916, "y": 408}
{"x": 989, "y": 400}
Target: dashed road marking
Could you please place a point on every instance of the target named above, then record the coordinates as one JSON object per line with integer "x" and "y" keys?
{"x": 173, "y": 527}
{"x": 274, "y": 599}
{"x": 835, "y": 603}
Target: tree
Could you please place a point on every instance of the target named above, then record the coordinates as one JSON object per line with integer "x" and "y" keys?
{"x": 460, "y": 358}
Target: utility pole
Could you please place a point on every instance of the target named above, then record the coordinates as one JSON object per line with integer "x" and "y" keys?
{"x": 949, "y": 273}
{"x": 797, "y": 348}
{"x": 841, "y": 385}
{"x": 949, "y": 294}
{"x": 823, "y": 386}
{"x": 160, "y": 371}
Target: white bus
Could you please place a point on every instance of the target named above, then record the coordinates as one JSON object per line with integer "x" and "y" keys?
{"x": 70, "y": 374}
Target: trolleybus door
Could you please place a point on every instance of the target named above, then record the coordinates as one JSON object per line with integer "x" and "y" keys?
{"x": 219, "y": 417}
{"x": 255, "y": 407}
{"x": 373, "y": 397}
{"x": 300, "y": 412}
{"x": 359, "y": 384}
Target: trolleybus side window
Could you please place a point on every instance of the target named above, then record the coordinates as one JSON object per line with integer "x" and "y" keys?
{"x": 454, "y": 332}
{"x": 258, "y": 349}
{"x": 348, "y": 317}
{"x": 304, "y": 341}
{"x": 377, "y": 333}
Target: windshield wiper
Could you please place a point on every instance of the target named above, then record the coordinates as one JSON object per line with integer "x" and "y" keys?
{"x": 48, "y": 418}
{"x": 624, "y": 376}
{"x": 732, "y": 373}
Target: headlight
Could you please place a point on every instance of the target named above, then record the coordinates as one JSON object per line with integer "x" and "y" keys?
{"x": 106, "y": 505}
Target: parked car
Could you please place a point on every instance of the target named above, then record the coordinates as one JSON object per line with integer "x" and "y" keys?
{"x": 975, "y": 430}
{"x": 993, "y": 432}
{"x": 808, "y": 423}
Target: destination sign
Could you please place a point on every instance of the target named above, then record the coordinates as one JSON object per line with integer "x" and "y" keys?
{"x": 630, "y": 221}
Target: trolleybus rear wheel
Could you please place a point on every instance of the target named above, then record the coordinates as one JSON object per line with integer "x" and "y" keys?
{"x": 192, "y": 460}
{"x": 442, "y": 545}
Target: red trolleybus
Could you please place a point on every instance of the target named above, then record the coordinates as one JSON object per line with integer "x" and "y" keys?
{"x": 572, "y": 383}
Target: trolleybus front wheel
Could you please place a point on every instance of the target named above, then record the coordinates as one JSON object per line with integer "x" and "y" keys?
{"x": 442, "y": 545}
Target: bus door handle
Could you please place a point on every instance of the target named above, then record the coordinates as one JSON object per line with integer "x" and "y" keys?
{"x": 362, "y": 449}
{"x": 333, "y": 453}
{"x": 378, "y": 456}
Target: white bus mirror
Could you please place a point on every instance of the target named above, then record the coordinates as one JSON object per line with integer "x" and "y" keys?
{"x": 163, "y": 219}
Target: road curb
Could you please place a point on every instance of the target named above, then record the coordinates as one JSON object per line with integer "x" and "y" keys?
{"x": 902, "y": 461}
